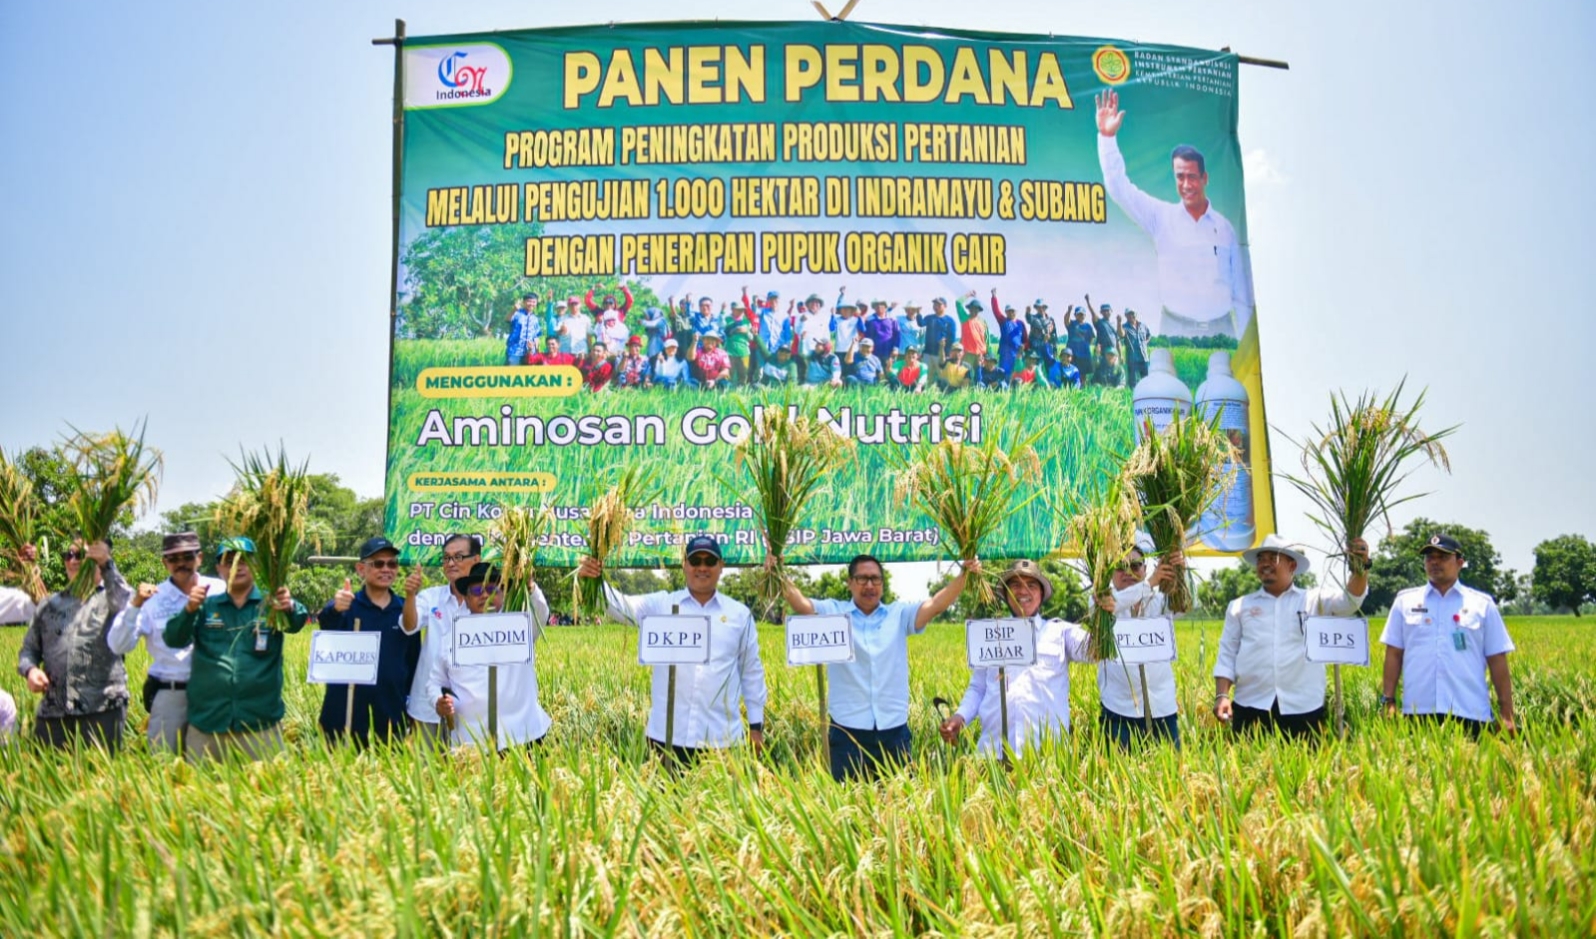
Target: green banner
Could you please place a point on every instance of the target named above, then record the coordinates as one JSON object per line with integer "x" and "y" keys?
{"x": 616, "y": 241}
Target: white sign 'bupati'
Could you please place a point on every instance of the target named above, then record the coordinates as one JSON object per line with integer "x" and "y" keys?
{"x": 819, "y": 640}
{"x": 1145, "y": 641}
{"x": 1000, "y": 643}
{"x": 1337, "y": 640}
{"x": 493, "y": 639}
{"x": 344, "y": 658}
{"x": 673, "y": 640}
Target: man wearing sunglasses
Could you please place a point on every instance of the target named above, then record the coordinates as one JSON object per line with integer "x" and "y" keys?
{"x": 1140, "y": 595}
{"x": 379, "y": 709}
{"x": 870, "y": 696}
{"x": 166, "y": 686}
{"x": 707, "y": 696}
{"x": 65, "y": 659}
{"x": 235, "y": 686}
{"x": 434, "y": 609}
{"x": 460, "y": 692}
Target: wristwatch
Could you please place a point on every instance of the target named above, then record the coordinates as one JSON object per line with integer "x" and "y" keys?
{"x": 1388, "y": 701}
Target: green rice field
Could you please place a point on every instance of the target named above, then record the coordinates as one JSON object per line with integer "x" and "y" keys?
{"x": 1080, "y": 434}
{"x": 1398, "y": 830}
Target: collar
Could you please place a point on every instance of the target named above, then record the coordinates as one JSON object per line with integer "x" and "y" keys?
{"x": 684, "y": 594}
{"x": 1266, "y": 595}
{"x": 1456, "y": 591}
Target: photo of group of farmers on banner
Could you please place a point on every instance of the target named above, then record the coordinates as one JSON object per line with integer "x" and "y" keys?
{"x": 767, "y": 340}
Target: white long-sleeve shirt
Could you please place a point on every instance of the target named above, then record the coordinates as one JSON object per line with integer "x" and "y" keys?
{"x": 1119, "y": 686}
{"x": 521, "y": 716}
{"x": 1203, "y": 272}
{"x": 436, "y": 608}
{"x": 1039, "y": 695}
{"x": 707, "y": 696}
{"x": 1264, "y": 650}
{"x": 148, "y": 621}
{"x": 16, "y": 606}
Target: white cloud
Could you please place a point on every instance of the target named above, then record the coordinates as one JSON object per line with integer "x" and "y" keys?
{"x": 1262, "y": 170}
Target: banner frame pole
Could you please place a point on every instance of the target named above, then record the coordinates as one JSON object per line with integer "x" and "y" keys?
{"x": 398, "y": 43}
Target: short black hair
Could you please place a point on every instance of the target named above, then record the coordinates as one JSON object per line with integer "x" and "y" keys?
{"x": 853, "y": 565}
{"x": 1188, "y": 152}
{"x": 475, "y": 541}
{"x": 529, "y": 296}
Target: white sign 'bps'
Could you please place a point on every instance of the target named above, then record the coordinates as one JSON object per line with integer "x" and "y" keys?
{"x": 1000, "y": 643}
{"x": 1337, "y": 640}
{"x": 673, "y": 640}
{"x": 344, "y": 658}
{"x": 1145, "y": 641}
{"x": 819, "y": 640}
{"x": 493, "y": 639}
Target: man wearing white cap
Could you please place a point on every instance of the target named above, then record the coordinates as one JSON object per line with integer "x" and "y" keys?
{"x": 1263, "y": 650}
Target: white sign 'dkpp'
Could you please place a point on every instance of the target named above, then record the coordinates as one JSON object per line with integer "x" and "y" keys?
{"x": 1000, "y": 643}
{"x": 1145, "y": 641}
{"x": 819, "y": 640}
{"x": 1337, "y": 640}
{"x": 673, "y": 640}
{"x": 344, "y": 658}
{"x": 493, "y": 639}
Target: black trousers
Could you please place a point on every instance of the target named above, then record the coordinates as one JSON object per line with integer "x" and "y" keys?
{"x": 1244, "y": 719}
{"x": 1470, "y": 726}
{"x": 102, "y": 729}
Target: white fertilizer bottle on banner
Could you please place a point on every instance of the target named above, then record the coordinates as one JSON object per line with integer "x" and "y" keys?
{"x": 1160, "y": 395}
{"x": 1229, "y": 525}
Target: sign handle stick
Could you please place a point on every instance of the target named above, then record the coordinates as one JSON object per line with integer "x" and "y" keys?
{"x": 1341, "y": 710}
{"x": 493, "y": 704}
{"x": 1003, "y": 709}
{"x": 1147, "y": 704}
{"x": 825, "y": 731}
{"x": 349, "y": 702}
{"x": 670, "y": 695}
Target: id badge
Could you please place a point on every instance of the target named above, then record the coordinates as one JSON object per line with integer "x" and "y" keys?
{"x": 260, "y": 640}
{"x": 1460, "y": 640}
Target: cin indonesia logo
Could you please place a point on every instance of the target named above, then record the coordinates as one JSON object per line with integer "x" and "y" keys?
{"x": 455, "y": 75}
{"x": 461, "y": 80}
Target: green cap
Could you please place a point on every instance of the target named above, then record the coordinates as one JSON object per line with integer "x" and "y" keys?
{"x": 235, "y": 545}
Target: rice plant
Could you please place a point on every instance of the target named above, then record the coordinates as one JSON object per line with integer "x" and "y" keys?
{"x": 19, "y": 527}
{"x": 609, "y": 519}
{"x": 115, "y": 471}
{"x": 269, "y": 504}
{"x": 1176, "y": 474}
{"x": 1102, "y": 532}
{"x": 1353, "y": 466}
{"x": 516, "y": 533}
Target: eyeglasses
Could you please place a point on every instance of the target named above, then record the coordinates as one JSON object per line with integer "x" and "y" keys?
{"x": 1134, "y": 567}
{"x": 180, "y": 557}
{"x": 868, "y": 581}
{"x": 456, "y": 558}
{"x": 702, "y": 560}
{"x": 482, "y": 590}
{"x": 72, "y": 554}
{"x": 383, "y": 564}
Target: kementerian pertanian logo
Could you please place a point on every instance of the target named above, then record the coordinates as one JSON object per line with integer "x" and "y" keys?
{"x": 455, "y": 75}
{"x": 1111, "y": 65}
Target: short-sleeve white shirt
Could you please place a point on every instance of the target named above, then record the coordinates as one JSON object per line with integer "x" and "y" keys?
{"x": 1438, "y": 677}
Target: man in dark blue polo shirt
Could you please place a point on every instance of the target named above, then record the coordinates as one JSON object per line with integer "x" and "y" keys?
{"x": 379, "y": 710}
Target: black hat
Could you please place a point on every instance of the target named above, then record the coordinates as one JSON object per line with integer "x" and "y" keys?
{"x": 481, "y": 572}
{"x": 376, "y": 546}
{"x": 180, "y": 543}
{"x": 1445, "y": 543}
{"x": 702, "y": 544}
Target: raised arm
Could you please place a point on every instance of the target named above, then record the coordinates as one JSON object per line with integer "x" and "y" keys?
{"x": 946, "y": 597}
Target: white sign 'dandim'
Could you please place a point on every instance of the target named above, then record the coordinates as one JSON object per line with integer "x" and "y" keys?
{"x": 1145, "y": 641}
{"x": 1000, "y": 643}
{"x": 344, "y": 658}
{"x": 1337, "y": 640}
{"x": 819, "y": 640}
{"x": 493, "y": 639}
{"x": 673, "y": 640}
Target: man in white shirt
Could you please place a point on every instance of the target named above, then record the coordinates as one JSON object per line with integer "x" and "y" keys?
{"x": 435, "y": 608}
{"x": 869, "y": 700}
{"x": 460, "y": 693}
{"x": 1139, "y": 595}
{"x": 1039, "y": 694}
{"x": 1441, "y": 639}
{"x": 709, "y": 697}
{"x": 166, "y": 686}
{"x": 573, "y": 328}
{"x": 1204, "y": 278}
{"x": 1263, "y": 649}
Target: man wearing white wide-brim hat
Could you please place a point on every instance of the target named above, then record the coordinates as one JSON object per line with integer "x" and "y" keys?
{"x": 1263, "y": 649}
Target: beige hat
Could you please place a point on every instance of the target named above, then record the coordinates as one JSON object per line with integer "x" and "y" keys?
{"x": 1028, "y": 568}
{"x": 1278, "y": 545}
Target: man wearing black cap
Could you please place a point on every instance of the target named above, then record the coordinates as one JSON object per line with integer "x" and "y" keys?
{"x": 380, "y": 708}
{"x": 166, "y": 686}
{"x": 1079, "y": 339}
{"x": 460, "y": 692}
{"x": 1441, "y": 639}
{"x": 707, "y": 707}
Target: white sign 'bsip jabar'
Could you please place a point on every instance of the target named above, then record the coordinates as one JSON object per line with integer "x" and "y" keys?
{"x": 673, "y": 640}
{"x": 343, "y": 658}
{"x": 1337, "y": 640}
{"x": 1145, "y": 641}
{"x": 493, "y": 639}
{"x": 819, "y": 640}
{"x": 1000, "y": 643}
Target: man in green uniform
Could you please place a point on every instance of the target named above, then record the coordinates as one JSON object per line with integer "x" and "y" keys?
{"x": 235, "y": 692}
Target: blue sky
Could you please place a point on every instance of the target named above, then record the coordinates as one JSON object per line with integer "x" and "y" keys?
{"x": 196, "y": 221}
